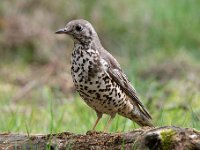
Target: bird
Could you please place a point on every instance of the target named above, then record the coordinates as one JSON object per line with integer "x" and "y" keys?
{"x": 99, "y": 79}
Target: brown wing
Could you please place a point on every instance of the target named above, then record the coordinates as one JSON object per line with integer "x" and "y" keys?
{"x": 116, "y": 74}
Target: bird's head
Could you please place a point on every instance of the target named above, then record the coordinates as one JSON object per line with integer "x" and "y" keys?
{"x": 81, "y": 31}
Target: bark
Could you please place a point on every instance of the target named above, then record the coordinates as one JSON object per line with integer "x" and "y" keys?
{"x": 160, "y": 138}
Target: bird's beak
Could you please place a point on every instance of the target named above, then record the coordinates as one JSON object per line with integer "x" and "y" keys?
{"x": 63, "y": 31}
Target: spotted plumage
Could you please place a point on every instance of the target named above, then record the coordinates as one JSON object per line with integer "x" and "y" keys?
{"x": 99, "y": 79}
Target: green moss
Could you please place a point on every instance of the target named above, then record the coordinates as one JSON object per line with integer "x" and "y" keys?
{"x": 167, "y": 138}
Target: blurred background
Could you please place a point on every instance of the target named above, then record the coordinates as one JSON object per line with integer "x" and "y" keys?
{"x": 156, "y": 42}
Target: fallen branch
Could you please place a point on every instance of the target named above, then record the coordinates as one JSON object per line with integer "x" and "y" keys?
{"x": 165, "y": 138}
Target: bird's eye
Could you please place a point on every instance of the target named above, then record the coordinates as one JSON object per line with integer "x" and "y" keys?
{"x": 79, "y": 28}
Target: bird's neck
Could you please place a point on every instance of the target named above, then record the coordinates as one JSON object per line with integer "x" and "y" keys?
{"x": 88, "y": 44}
{"x": 84, "y": 44}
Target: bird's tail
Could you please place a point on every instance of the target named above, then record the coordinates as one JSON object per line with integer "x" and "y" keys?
{"x": 137, "y": 116}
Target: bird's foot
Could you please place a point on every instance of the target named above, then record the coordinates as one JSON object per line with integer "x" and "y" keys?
{"x": 93, "y": 132}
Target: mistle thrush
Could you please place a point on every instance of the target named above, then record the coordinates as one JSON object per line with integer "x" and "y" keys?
{"x": 99, "y": 78}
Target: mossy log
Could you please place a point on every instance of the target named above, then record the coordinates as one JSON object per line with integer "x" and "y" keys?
{"x": 160, "y": 138}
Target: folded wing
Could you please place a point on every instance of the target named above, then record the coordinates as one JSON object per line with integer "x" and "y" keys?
{"x": 116, "y": 74}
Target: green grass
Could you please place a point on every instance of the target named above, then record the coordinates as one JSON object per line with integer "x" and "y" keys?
{"x": 52, "y": 117}
{"x": 75, "y": 116}
{"x": 171, "y": 102}
{"x": 156, "y": 43}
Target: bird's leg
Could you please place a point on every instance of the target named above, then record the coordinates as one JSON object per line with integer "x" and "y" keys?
{"x": 99, "y": 115}
{"x": 109, "y": 122}
{"x": 96, "y": 122}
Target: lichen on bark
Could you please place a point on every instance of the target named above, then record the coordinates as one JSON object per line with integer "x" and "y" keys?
{"x": 167, "y": 138}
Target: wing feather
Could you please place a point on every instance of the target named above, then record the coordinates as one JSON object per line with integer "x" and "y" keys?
{"x": 116, "y": 74}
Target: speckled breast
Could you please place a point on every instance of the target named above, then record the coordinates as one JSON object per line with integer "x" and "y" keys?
{"x": 93, "y": 84}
